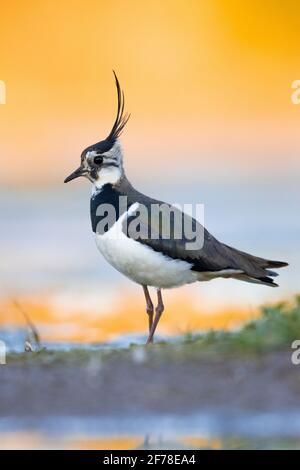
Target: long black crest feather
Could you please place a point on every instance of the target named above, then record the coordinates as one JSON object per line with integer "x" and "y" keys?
{"x": 121, "y": 118}
{"x": 119, "y": 124}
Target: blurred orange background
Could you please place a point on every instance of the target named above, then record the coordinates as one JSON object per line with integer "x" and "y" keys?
{"x": 202, "y": 79}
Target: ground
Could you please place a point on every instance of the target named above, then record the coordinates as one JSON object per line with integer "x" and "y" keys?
{"x": 223, "y": 384}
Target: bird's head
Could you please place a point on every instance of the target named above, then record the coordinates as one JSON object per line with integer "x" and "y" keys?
{"x": 102, "y": 162}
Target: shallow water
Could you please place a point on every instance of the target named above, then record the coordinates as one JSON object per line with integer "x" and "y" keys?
{"x": 15, "y": 338}
{"x": 216, "y": 427}
{"x": 197, "y": 431}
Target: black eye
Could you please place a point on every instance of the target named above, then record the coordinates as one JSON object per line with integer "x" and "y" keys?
{"x": 98, "y": 160}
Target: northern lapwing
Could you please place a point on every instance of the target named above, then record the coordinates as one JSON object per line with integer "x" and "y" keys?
{"x": 148, "y": 256}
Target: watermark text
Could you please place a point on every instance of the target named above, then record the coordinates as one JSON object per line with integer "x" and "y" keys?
{"x": 156, "y": 221}
{"x": 2, "y": 92}
{"x": 2, "y": 353}
{"x": 295, "y": 96}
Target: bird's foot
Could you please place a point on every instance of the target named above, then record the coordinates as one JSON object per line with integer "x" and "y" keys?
{"x": 149, "y": 340}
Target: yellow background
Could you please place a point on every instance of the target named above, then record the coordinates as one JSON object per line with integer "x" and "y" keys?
{"x": 208, "y": 78}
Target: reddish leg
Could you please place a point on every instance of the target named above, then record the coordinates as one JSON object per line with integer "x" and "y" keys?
{"x": 149, "y": 307}
{"x": 158, "y": 312}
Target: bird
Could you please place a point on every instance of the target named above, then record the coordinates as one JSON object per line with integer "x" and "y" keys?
{"x": 147, "y": 255}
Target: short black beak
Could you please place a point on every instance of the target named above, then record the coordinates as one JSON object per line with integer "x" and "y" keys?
{"x": 79, "y": 172}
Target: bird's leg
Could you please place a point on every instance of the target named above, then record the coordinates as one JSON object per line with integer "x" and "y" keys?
{"x": 158, "y": 312}
{"x": 149, "y": 306}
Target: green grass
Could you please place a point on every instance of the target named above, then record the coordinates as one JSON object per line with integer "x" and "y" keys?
{"x": 276, "y": 328}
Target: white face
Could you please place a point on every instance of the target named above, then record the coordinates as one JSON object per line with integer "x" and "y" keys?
{"x": 106, "y": 174}
{"x": 101, "y": 167}
{"x": 106, "y": 167}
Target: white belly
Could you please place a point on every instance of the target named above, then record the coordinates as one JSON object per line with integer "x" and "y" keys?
{"x": 140, "y": 263}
